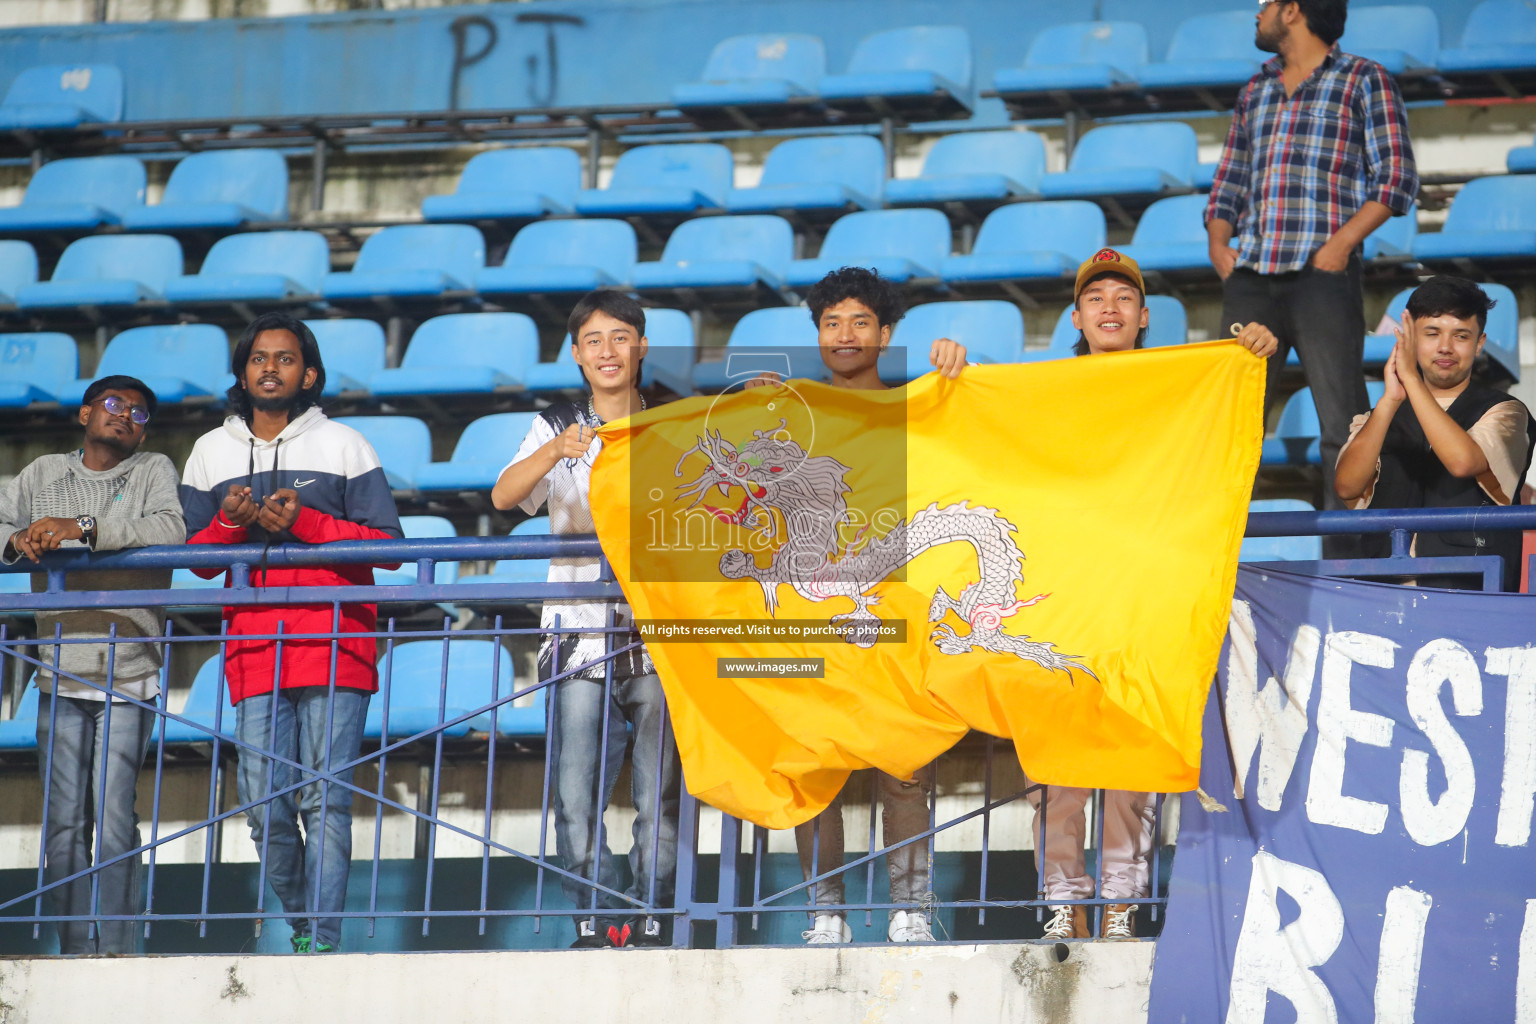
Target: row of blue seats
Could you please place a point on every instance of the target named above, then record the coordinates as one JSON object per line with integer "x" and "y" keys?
{"x": 1024, "y": 242}
{"x": 227, "y": 189}
{"x": 927, "y": 71}
{"x": 478, "y": 673}
{"x": 468, "y": 353}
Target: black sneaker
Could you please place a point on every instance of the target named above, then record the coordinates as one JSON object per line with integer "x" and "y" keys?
{"x": 646, "y": 931}
{"x": 587, "y": 936}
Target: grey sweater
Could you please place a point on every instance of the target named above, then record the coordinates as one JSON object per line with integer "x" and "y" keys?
{"x": 136, "y": 504}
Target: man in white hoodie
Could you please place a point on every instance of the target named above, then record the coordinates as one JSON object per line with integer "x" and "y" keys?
{"x": 279, "y": 471}
{"x": 103, "y": 496}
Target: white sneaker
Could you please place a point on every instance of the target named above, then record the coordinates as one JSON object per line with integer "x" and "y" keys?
{"x": 1067, "y": 923}
{"x": 909, "y": 926}
{"x": 1118, "y": 923}
{"x": 829, "y": 929}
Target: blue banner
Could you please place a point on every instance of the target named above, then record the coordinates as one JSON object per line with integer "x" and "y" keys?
{"x": 1374, "y": 748}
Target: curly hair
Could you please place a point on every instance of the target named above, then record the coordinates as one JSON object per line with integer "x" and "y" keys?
{"x": 859, "y": 283}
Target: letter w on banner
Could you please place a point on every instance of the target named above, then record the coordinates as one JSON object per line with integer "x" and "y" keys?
{"x": 1057, "y": 543}
{"x": 1379, "y": 764}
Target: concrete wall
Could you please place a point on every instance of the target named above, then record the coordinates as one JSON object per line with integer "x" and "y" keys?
{"x": 1017, "y": 984}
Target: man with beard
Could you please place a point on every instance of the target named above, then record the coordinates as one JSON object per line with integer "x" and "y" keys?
{"x": 1316, "y": 159}
{"x": 279, "y": 471}
{"x": 103, "y": 496}
{"x": 1436, "y": 439}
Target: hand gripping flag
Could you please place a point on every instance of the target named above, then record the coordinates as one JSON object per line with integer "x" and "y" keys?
{"x": 1045, "y": 552}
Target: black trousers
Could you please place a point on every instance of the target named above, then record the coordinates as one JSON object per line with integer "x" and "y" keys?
{"x": 1322, "y": 316}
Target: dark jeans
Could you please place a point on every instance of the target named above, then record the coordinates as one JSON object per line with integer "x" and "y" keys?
{"x": 88, "y": 762}
{"x": 1322, "y": 316}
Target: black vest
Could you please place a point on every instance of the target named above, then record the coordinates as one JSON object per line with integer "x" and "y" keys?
{"x": 1412, "y": 476}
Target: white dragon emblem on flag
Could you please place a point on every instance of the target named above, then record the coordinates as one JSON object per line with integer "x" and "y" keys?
{"x": 805, "y": 497}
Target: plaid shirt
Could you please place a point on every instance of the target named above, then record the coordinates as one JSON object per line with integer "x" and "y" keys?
{"x": 1294, "y": 170}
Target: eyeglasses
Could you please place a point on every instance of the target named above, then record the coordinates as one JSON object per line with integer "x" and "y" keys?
{"x": 116, "y": 405}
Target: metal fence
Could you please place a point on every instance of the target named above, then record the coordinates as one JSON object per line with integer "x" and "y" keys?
{"x": 450, "y": 696}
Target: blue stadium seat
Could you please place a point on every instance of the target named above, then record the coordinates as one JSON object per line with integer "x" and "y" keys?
{"x": 1204, "y": 178}
{"x": 1030, "y": 240}
{"x": 562, "y": 374}
{"x": 221, "y": 189}
{"x": 1086, "y": 57}
{"x": 511, "y": 184}
{"x": 403, "y": 444}
{"x": 918, "y": 73}
{"x": 59, "y": 96}
{"x": 483, "y": 451}
{"x": 1167, "y": 322}
{"x": 36, "y": 367}
{"x": 19, "y": 732}
{"x": 1403, "y": 39}
{"x": 107, "y": 270}
{"x": 897, "y": 244}
{"x": 991, "y": 331}
{"x": 827, "y": 173}
{"x": 1394, "y": 239}
{"x": 677, "y": 178}
{"x": 179, "y": 361}
{"x": 1208, "y": 52}
{"x": 1128, "y": 159}
{"x": 16, "y": 583}
{"x": 257, "y": 266}
{"x": 1490, "y": 219}
{"x": 766, "y": 338}
{"x": 18, "y": 268}
{"x": 1170, "y": 236}
{"x": 519, "y": 570}
{"x": 352, "y": 350}
{"x": 722, "y": 252}
{"x": 1521, "y": 160}
{"x": 754, "y": 73}
{"x": 77, "y": 195}
{"x": 1280, "y": 549}
{"x": 1296, "y": 441}
{"x": 418, "y": 684}
{"x": 208, "y": 690}
{"x": 563, "y": 256}
{"x": 415, "y": 528}
{"x": 974, "y": 166}
{"x": 463, "y": 353}
{"x": 1498, "y": 49}
{"x": 671, "y": 350}
{"x": 412, "y": 260}
{"x": 1063, "y": 338}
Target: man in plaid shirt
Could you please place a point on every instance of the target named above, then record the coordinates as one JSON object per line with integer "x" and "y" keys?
{"x": 1317, "y": 158}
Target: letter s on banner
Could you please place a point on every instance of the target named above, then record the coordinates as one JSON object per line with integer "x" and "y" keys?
{"x": 1337, "y": 724}
{"x": 1270, "y": 958}
{"x": 1431, "y": 822}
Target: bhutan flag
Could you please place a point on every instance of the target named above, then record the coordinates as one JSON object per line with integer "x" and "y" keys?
{"x": 833, "y": 579}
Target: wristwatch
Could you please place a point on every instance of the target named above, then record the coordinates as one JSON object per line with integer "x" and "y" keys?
{"x": 87, "y": 526}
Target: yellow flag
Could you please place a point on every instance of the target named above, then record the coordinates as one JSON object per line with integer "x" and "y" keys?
{"x": 1058, "y": 541}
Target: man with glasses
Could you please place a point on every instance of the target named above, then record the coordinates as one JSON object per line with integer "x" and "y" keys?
{"x": 103, "y": 496}
{"x": 1316, "y": 159}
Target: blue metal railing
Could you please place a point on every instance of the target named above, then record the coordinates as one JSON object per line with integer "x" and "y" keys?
{"x": 748, "y": 888}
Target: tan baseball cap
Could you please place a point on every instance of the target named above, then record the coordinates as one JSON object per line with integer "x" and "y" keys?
{"x": 1107, "y": 261}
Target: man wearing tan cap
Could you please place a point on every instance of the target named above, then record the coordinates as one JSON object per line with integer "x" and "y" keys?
{"x": 1111, "y": 313}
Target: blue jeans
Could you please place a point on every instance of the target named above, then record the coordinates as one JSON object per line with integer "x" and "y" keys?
{"x": 71, "y": 735}
{"x": 308, "y": 872}
{"x": 579, "y": 712}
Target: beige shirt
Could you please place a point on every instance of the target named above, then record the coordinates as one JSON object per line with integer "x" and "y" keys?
{"x": 1500, "y": 433}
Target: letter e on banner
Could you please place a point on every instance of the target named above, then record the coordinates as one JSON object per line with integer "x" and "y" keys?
{"x": 1270, "y": 958}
